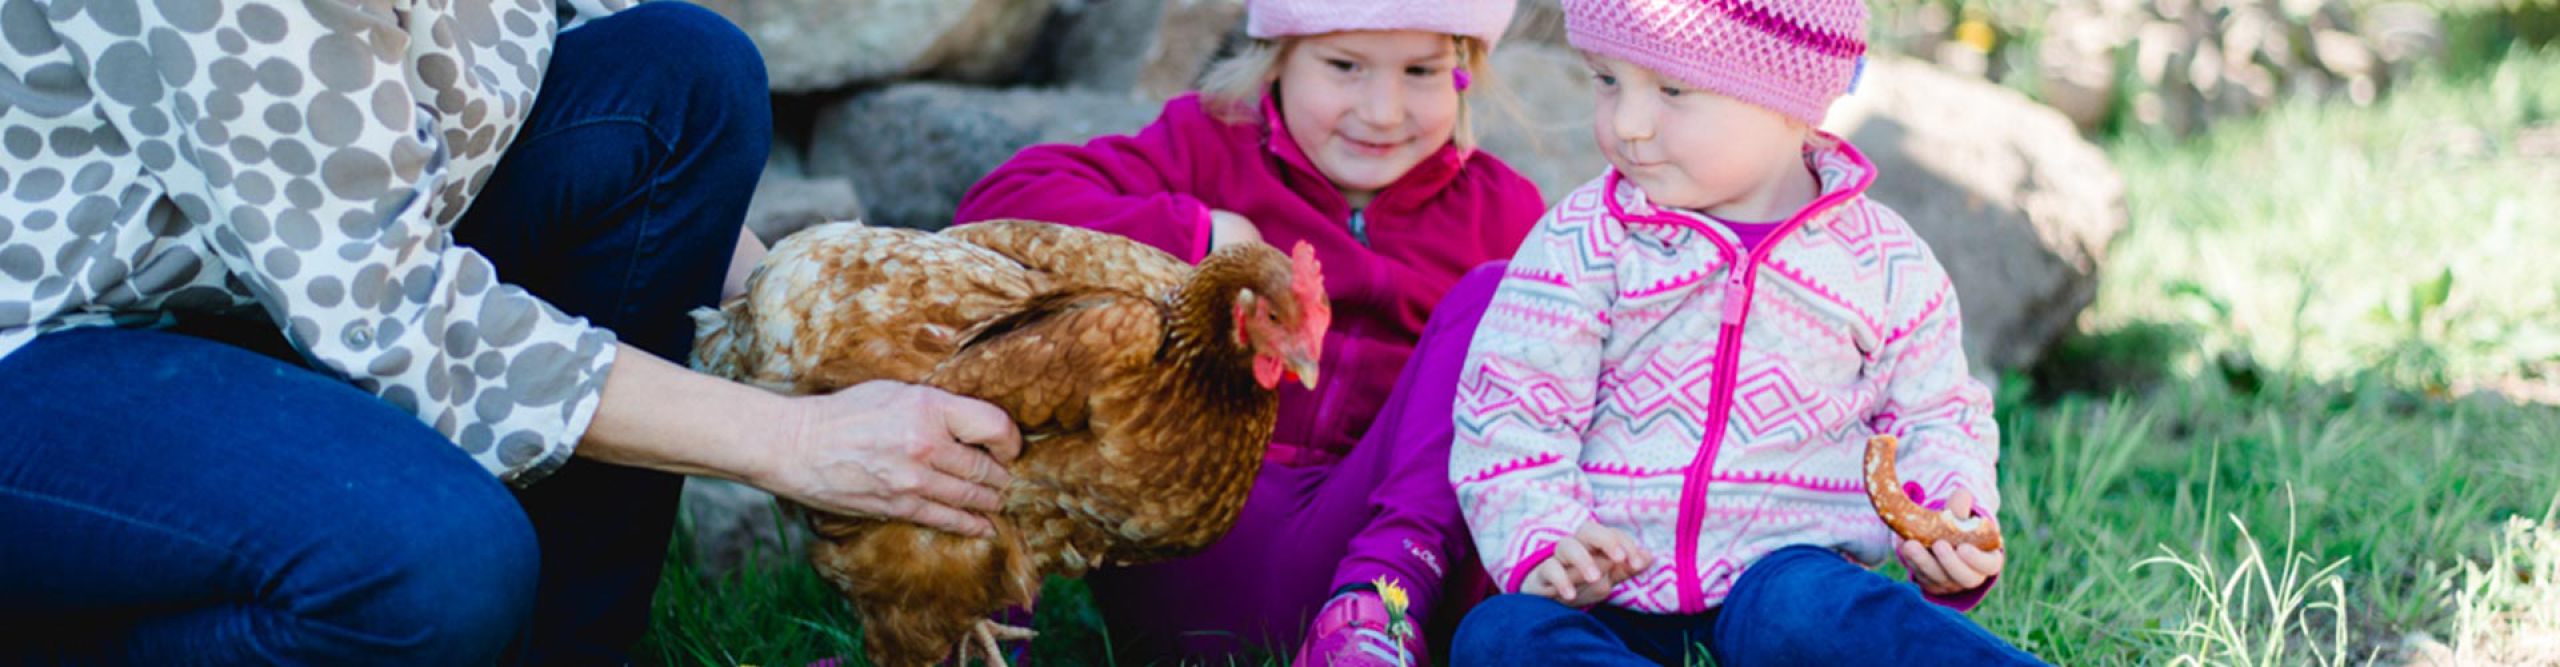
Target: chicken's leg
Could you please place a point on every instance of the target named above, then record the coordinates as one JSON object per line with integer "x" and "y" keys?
{"x": 986, "y": 634}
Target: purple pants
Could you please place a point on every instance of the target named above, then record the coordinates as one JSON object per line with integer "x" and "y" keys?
{"x": 1386, "y": 509}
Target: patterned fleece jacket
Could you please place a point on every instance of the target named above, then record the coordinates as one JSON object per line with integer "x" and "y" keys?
{"x": 1640, "y": 370}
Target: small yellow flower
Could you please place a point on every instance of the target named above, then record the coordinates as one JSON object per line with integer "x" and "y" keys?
{"x": 1397, "y": 602}
{"x": 1978, "y": 34}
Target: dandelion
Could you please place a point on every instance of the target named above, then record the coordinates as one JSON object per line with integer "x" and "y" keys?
{"x": 1397, "y": 601}
{"x": 1978, "y": 34}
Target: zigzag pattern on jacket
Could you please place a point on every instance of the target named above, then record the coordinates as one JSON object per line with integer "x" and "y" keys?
{"x": 1592, "y": 384}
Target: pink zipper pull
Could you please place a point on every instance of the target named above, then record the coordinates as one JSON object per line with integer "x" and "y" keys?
{"x": 1735, "y": 296}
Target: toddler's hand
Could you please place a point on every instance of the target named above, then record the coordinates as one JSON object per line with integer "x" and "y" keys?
{"x": 1586, "y": 566}
{"x": 1618, "y": 550}
{"x": 1945, "y": 568}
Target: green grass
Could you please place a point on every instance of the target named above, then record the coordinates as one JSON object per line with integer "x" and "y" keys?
{"x": 2398, "y": 497}
{"x": 2274, "y": 465}
{"x": 2299, "y": 239}
{"x": 2287, "y": 275}
{"x": 778, "y": 612}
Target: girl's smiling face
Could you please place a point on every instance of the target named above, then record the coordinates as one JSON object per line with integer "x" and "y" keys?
{"x": 1367, "y": 106}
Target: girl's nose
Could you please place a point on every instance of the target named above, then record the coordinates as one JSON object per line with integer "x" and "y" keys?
{"x": 1381, "y": 102}
{"x": 1633, "y": 119}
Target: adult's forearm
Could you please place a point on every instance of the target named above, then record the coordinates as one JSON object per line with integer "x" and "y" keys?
{"x": 661, "y": 416}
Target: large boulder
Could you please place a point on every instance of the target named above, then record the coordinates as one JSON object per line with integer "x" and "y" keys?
{"x": 813, "y": 45}
{"x": 913, "y": 149}
{"x": 2014, "y": 202}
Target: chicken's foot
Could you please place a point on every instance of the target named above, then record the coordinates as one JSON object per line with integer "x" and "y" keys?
{"x": 985, "y": 637}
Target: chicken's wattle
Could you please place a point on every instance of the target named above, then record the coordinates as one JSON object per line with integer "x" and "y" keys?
{"x": 1269, "y": 371}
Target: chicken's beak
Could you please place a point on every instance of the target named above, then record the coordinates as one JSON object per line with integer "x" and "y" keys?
{"x": 1302, "y": 366}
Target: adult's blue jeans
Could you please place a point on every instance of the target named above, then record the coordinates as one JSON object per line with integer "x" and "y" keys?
{"x": 1796, "y": 606}
{"x": 169, "y": 499}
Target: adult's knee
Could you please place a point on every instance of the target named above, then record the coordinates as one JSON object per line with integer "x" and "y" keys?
{"x": 705, "y": 61}
{"x": 690, "y": 43}
{"x": 446, "y": 577}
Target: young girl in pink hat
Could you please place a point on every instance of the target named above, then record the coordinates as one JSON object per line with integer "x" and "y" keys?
{"x": 1344, "y": 125}
{"x": 1661, "y": 421}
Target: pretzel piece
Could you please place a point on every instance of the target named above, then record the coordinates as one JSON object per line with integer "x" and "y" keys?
{"x": 1916, "y": 523}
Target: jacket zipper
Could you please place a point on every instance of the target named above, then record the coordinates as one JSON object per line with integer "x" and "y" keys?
{"x": 1740, "y": 279}
{"x": 1741, "y": 282}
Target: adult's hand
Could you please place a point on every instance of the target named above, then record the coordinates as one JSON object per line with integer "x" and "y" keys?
{"x": 880, "y": 449}
{"x": 885, "y": 449}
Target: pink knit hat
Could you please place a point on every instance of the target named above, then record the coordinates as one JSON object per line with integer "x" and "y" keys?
{"x": 1482, "y": 19}
{"x": 1789, "y": 56}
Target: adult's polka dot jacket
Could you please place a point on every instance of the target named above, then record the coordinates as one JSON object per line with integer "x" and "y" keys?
{"x": 301, "y": 160}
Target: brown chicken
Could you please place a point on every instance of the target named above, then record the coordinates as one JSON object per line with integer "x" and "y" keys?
{"x": 1143, "y": 388}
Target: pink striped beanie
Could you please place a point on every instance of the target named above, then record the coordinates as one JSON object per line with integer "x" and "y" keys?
{"x": 1481, "y": 19}
{"x": 1789, "y": 56}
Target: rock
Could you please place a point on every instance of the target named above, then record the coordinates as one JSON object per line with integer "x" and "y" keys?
{"x": 1911, "y": 28}
{"x": 2343, "y": 54}
{"x": 1190, "y": 34}
{"x": 2014, "y": 202}
{"x": 2078, "y": 76}
{"x": 1102, "y": 45}
{"x": 912, "y": 149}
{"x": 2161, "y": 48}
{"x": 1151, "y": 48}
{"x": 786, "y": 203}
{"x": 812, "y": 45}
{"x": 1536, "y": 22}
{"x": 1959, "y": 56}
{"x": 2405, "y": 32}
{"x": 2348, "y": 57}
{"x": 735, "y": 526}
{"x": 1538, "y": 120}
{"x": 2163, "y": 59}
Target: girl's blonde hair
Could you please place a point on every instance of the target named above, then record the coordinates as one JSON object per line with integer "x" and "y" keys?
{"x": 1234, "y": 87}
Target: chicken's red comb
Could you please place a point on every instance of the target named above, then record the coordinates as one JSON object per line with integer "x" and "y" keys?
{"x": 1306, "y": 281}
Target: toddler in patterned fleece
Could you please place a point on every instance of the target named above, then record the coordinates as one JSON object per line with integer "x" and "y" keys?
{"x": 1661, "y": 420}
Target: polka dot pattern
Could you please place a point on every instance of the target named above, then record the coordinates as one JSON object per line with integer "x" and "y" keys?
{"x": 306, "y": 159}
